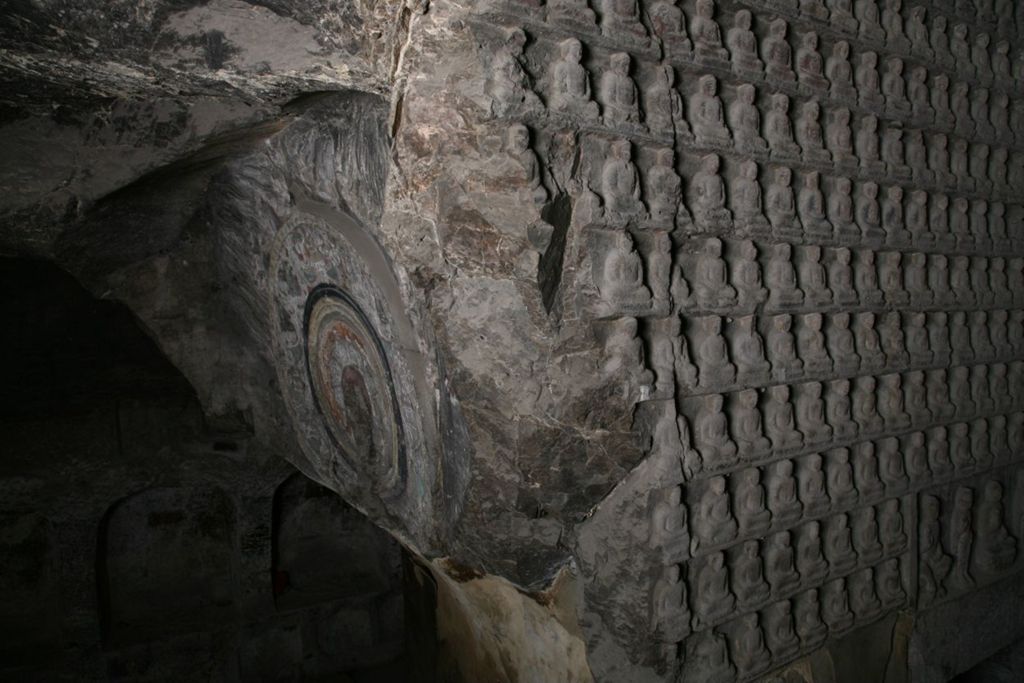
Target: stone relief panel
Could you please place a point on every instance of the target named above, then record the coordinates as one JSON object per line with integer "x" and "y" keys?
{"x": 800, "y": 232}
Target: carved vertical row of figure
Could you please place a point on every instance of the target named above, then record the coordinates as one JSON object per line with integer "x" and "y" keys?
{"x": 968, "y": 533}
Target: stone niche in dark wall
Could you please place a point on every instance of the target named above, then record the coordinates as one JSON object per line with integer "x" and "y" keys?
{"x": 325, "y": 550}
{"x": 341, "y": 574}
{"x": 29, "y": 612}
{"x": 166, "y": 564}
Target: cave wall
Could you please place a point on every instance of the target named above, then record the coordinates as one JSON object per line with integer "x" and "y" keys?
{"x": 145, "y": 541}
{"x": 715, "y": 308}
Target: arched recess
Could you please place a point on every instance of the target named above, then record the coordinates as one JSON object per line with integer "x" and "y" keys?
{"x": 166, "y": 564}
{"x": 325, "y": 550}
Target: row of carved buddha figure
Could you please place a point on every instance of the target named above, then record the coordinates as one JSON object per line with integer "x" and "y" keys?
{"x": 836, "y": 210}
{"x": 751, "y": 644}
{"x": 623, "y": 20}
{"x": 725, "y": 512}
{"x": 820, "y": 280}
{"x": 724, "y": 582}
{"x": 827, "y": 346}
{"x": 970, "y": 544}
{"x": 658, "y": 107}
{"x": 791, "y": 419}
{"x": 710, "y": 279}
{"x": 969, "y": 55}
{"x": 964, "y": 49}
{"x": 727, "y": 507}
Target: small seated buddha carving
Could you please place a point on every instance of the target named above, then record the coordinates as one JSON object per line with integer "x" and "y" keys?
{"x": 869, "y": 90}
{"x": 665, "y": 191}
{"x": 841, "y": 345}
{"x": 713, "y": 599}
{"x": 917, "y": 33}
{"x": 748, "y": 426}
{"x": 920, "y": 102}
{"x": 839, "y": 544}
{"x": 939, "y": 95}
{"x": 841, "y": 17}
{"x": 745, "y": 120}
{"x": 620, "y": 183}
{"x": 840, "y": 278}
{"x": 747, "y": 203}
{"x": 869, "y": 344}
{"x": 707, "y": 116}
{"x": 714, "y": 523}
{"x": 865, "y": 467}
{"x": 779, "y": 131}
{"x": 811, "y": 205}
{"x": 711, "y": 286}
{"x": 809, "y": 626}
{"x": 811, "y": 342}
{"x": 746, "y": 276}
{"x": 894, "y": 89}
{"x": 509, "y": 84}
{"x": 893, "y": 340}
{"x": 893, "y": 154}
{"x": 751, "y": 512}
{"x": 938, "y": 40}
{"x": 893, "y": 221}
{"x": 780, "y": 206}
{"x": 620, "y": 21}
{"x": 707, "y": 36}
{"x": 870, "y": 25}
{"x": 663, "y": 105}
{"x": 748, "y": 577}
{"x": 618, "y": 93}
{"x": 839, "y": 137}
{"x": 892, "y": 22}
{"x": 841, "y": 213}
{"x": 780, "y": 561}
{"x": 669, "y": 25}
{"x": 716, "y": 370}
{"x": 813, "y": 280}
{"x": 810, "y": 66}
{"x": 786, "y": 365}
{"x": 749, "y": 650}
{"x": 865, "y": 410}
{"x": 891, "y": 405}
{"x": 812, "y": 486}
{"x": 864, "y": 600}
{"x": 865, "y": 536}
{"x": 840, "y": 478}
{"x": 782, "y": 493}
{"x": 571, "y": 84}
{"x": 749, "y": 354}
{"x": 742, "y": 45}
{"x": 779, "y": 420}
{"x": 840, "y": 73}
{"x": 811, "y": 414}
{"x": 781, "y": 279}
{"x": 573, "y": 13}
{"x": 867, "y": 147}
{"x": 712, "y": 438}
{"x": 810, "y": 137}
{"x": 889, "y": 583}
{"x": 777, "y": 53}
{"x": 622, "y": 286}
{"x": 839, "y": 410}
{"x": 709, "y": 211}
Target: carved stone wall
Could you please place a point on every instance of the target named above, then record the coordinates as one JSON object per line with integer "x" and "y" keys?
{"x": 798, "y": 227}
{"x": 686, "y": 334}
